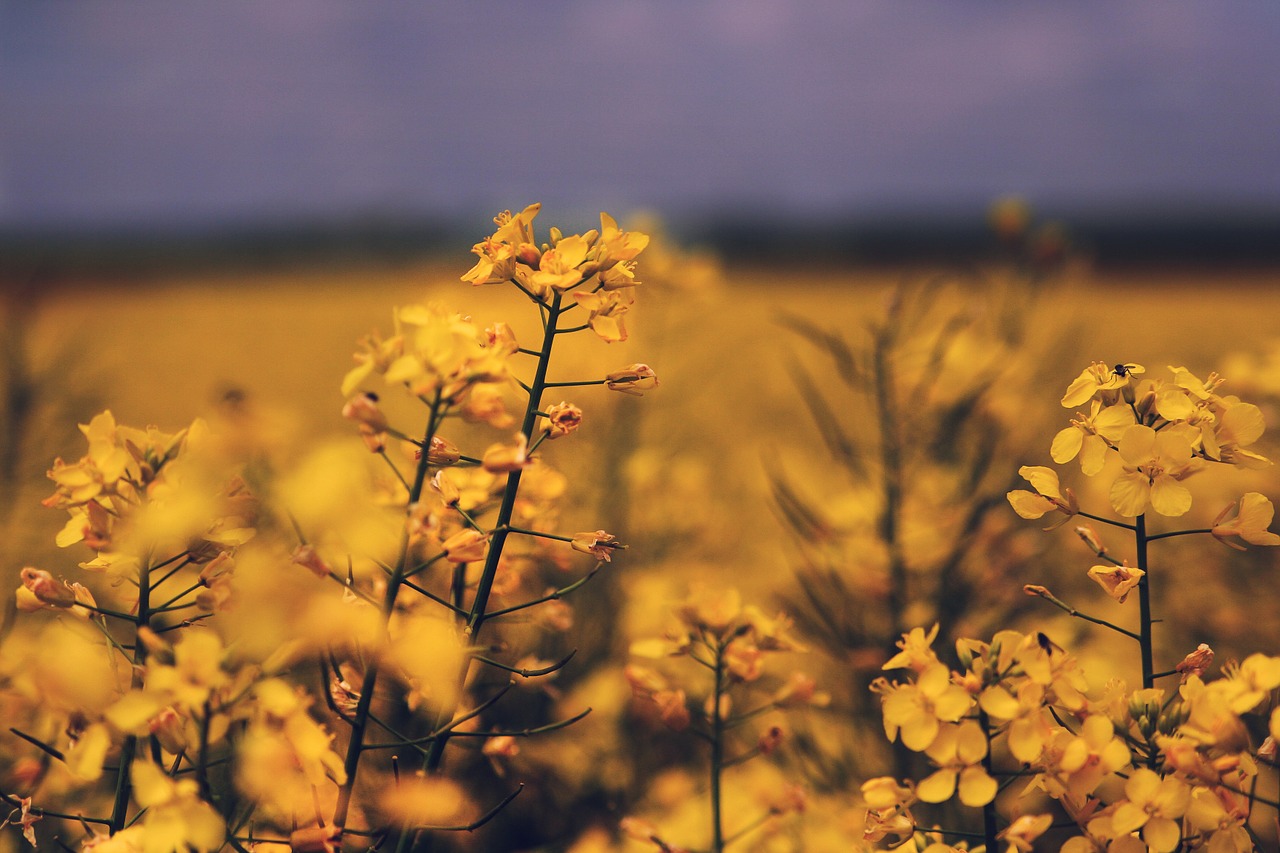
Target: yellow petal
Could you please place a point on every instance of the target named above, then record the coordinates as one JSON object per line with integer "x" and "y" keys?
{"x": 1080, "y": 390}
{"x": 1066, "y": 444}
{"x": 938, "y": 787}
{"x": 1137, "y": 444}
{"x": 1162, "y": 834}
{"x": 1129, "y": 494}
{"x": 999, "y": 703}
{"x": 976, "y": 787}
{"x": 1029, "y": 504}
{"x": 1243, "y": 423}
{"x": 1043, "y": 480}
{"x": 1169, "y": 497}
{"x": 1093, "y": 455}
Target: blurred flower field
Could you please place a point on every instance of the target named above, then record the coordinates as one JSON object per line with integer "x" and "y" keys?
{"x": 786, "y": 524}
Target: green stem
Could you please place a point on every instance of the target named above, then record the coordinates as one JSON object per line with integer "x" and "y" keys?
{"x": 1180, "y": 533}
{"x": 1102, "y": 520}
{"x": 717, "y": 751}
{"x": 120, "y": 805}
{"x": 989, "y": 828}
{"x": 497, "y": 541}
{"x": 1144, "y": 602}
{"x": 360, "y": 719}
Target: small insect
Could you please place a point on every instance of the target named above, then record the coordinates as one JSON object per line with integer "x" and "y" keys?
{"x": 1048, "y": 645}
{"x": 1121, "y": 370}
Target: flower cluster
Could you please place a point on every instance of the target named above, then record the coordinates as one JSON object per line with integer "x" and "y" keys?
{"x": 732, "y": 641}
{"x": 1133, "y": 768}
{"x": 1163, "y": 431}
{"x": 600, "y": 262}
{"x": 1169, "y": 767}
{"x": 179, "y": 708}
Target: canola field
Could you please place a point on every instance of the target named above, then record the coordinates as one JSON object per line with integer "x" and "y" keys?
{"x": 754, "y": 519}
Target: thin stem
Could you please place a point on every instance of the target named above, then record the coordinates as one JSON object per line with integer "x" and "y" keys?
{"x": 1179, "y": 533}
{"x": 717, "y": 750}
{"x": 501, "y": 529}
{"x": 1102, "y": 520}
{"x": 989, "y": 828}
{"x": 1144, "y": 601}
{"x": 360, "y": 719}
{"x": 120, "y": 804}
{"x": 1040, "y": 591}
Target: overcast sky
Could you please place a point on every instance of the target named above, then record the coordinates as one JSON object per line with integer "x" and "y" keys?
{"x": 159, "y": 113}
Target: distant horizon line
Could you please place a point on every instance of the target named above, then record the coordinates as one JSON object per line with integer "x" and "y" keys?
{"x": 1207, "y": 236}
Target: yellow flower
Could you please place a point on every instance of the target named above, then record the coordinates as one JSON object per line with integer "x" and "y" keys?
{"x": 916, "y": 710}
{"x": 958, "y": 750}
{"x": 1155, "y": 462}
{"x": 175, "y": 818}
{"x": 605, "y": 310}
{"x": 1252, "y": 516}
{"x": 1237, "y": 427}
{"x": 1220, "y": 817}
{"x": 1028, "y": 731}
{"x": 498, "y": 252}
{"x": 916, "y": 650}
{"x": 558, "y": 268}
{"x": 1100, "y": 377}
{"x": 884, "y": 792}
{"x": 1047, "y": 497}
{"x": 1090, "y": 435}
{"x": 1118, "y": 581}
{"x": 1155, "y": 805}
{"x": 1075, "y": 764}
{"x": 617, "y": 245}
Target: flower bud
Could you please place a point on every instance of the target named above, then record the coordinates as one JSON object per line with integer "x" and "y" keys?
{"x": 633, "y": 380}
{"x": 563, "y": 419}
{"x": 1196, "y": 663}
{"x": 442, "y": 452}
{"x": 310, "y": 559}
{"x": 465, "y": 546}
{"x": 1090, "y": 537}
{"x": 528, "y": 255}
{"x": 47, "y": 590}
{"x": 447, "y": 488}
{"x": 505, "y": 458}
{"x": 363, "y": 409}
{"x": 599, "y": 544}
{"x": 501, "y": 746}
{"x": 770, "y": 740}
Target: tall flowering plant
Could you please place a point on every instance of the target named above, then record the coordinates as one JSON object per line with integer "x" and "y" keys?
{"x": 283, "y": 663}
{"x": 1169, "y": 763}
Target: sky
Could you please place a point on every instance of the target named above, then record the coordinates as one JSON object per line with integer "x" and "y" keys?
{"x": 156, "y": 114}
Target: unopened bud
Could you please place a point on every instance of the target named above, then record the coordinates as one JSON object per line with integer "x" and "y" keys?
{"x": 633, "y": 380}
{"x": 563, "y": 419}
{"x": 46, "y": 589}
{"x": 465, "y": 546}
{"x": 770, "y": 740}
{"x": 1090, "y": 537}
{"x": 598, "y": 544}
{"x": 309, "y": 558}
{"x": 442, "y": 452}
{"x": 1196, "y": 663}
{"x": 363, "y": 409}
